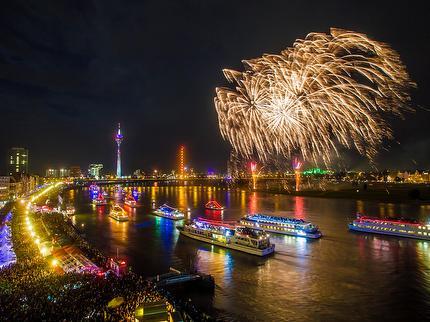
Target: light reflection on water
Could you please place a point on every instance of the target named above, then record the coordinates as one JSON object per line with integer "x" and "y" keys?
{"x": 343, "y": 276}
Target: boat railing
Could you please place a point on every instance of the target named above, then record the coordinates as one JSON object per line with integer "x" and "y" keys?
{"x": 261, "y": 217}
{"x": 279, "y": 221}
{"x": 225, "y": 223}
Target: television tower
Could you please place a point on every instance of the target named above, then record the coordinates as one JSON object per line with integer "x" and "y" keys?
{"x": 118, "y": 138}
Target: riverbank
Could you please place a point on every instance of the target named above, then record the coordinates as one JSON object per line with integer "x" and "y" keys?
{"x": 34, "y": 287}
{"x": 392, "y": 193}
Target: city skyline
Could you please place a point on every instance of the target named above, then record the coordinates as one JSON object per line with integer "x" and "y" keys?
{"x": 76, "y": 88}
{"x": 214, "y": 160}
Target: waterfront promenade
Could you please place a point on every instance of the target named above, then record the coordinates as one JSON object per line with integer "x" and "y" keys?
{"x": 34, "y": 288}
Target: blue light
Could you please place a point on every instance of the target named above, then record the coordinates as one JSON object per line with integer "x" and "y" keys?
{"x": 7, "y": 255}
{"x": 135, "y": 194}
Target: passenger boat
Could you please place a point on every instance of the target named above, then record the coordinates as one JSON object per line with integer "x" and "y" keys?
{"x": 129, "y": 201}
{"x": 213, "y": 205}
{"x": 100, "y": 200}
{"x": 94, "y": 187}
{"x": 118, "y": 213}
{"x": 394, "y": 227}
{"x": 230, "y": 236}
{"x": 281, "y": 225}
{"x": 169, "y": 212}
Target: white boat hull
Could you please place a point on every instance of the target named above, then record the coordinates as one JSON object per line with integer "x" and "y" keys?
{"x": 211, "y": 208}
{"x": 242, "y": 248}
{"x": 384, "y": 232}
{"x": 159, "y": 214}
{"x": 119, "y": 218}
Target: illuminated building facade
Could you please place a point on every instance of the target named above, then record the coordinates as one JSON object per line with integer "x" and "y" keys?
{"x": 94, "y": 170}
{"x": 51, "y": 173}
{"x": 64, "y": 173}
{"x": 18, "y": 161}
{"x": 4, "y": 187}
{"x": 118, "y": 139}
{"x": 57, "y": 173}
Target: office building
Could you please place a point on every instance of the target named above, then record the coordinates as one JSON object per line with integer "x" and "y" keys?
{"x": 94, "y": 170}
{"x": 51, "y": 173}
{"x": 18, "y": 161}
{"x": 64, "y": 173}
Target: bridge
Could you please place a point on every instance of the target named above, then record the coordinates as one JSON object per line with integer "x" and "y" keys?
{"x": 216, "y": 181}
{"x": 151, "y": 181}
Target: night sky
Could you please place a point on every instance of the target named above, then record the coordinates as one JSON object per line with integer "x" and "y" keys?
{"x": 71, "y": 70}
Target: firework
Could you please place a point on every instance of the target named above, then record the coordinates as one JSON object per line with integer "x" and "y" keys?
{"x": 326, "y": 91}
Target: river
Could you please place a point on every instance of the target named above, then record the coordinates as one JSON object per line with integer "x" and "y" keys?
{"x": 342, "y": 276}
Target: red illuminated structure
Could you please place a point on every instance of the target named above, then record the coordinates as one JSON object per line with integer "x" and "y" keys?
{"x": 297, "y": 165}
{"x": 100, "y": 200}
{"x": 214, "y": 205}
{"x": 254, "y": 174}
{"x": 181, "y": 161}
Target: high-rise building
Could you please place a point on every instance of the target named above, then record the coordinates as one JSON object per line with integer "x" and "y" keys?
{"x": 57, "y": 173}
{"x": 75, "y": 172}
{"x": 94, "y": 170}
{"x": 51, "y": 173}
{"x": 118, "y": 139}
{"x": 64, "y": 173}
{"x": 18, "y": 161}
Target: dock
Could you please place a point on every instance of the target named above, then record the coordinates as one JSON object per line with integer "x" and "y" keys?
{"x": 177, "y": 278}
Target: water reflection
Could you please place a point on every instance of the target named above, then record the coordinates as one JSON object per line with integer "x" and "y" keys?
{"x": 341, "y": 273}
{"x": 299, "y": 210}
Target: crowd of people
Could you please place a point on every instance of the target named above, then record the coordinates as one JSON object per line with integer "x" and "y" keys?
{"x": 59, "y": 227}
{"x": 31, "y": 289}
{"x": 41, "y": 294}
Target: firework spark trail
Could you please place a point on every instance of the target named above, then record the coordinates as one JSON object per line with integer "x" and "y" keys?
{"x": 325, "y": 91}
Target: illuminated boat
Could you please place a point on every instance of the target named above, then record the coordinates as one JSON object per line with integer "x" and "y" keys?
{"x": 213, "y": 205}
{"x": 100, "y": 200}
{"x": 94, "y": 187}
{"x": 129, "y": 201}
{"x": 281, "y": 225}
{"x": 230, "y": 236}
{"x": 394, "y": 227}
{"x": 169, "y": 212}
{"x": 118, "y": 213}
